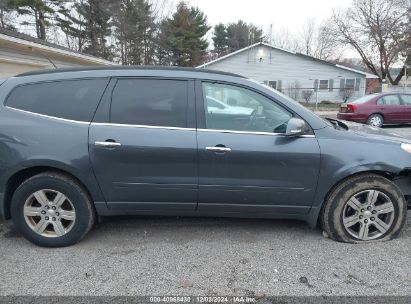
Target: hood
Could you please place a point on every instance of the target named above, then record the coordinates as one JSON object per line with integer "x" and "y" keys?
{"x": 373, "y": 132}
{"x": 361, "y": 128}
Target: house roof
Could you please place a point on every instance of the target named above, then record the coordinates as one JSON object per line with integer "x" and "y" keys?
{"x": 23, "y": 39}
{"x": 367, "y": 75}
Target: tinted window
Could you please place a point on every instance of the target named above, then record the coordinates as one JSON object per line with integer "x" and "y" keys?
{"x": 363, "y": 99}
{"x": 243, "y": 110}
{"x": 150, "y": 102}
{"x": 69, "y": 99}
{"x": 406, "y": 99}
{"x": 393, "y": 100}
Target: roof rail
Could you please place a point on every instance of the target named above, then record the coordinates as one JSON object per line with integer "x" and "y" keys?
{"x": 116, "y": 68}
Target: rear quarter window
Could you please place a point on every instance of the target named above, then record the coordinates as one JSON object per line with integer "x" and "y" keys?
{"x": 68, "y": 99}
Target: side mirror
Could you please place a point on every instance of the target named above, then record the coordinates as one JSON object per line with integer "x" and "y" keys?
{"x": 296, "y": 127}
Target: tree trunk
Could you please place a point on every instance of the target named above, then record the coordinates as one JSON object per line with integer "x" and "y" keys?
{"x": 397, "y": 79}
{"x": 2, "y": 18}
{"x": 42, "y": 25}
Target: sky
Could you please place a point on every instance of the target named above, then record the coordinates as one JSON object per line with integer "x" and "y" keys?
{"x": 288, "y": 14}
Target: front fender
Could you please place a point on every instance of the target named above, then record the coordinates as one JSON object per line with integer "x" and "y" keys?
{"x": 344, "y": 154}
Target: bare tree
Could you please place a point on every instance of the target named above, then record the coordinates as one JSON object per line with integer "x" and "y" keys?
{"x": 282, "y": 38}
{"x": 378, "y": 30}
{"x": 308, "y": 35}
{"x": 346, "y": 94}
{"x": 293, "y": 89}
{"x": 307, "y": 94}
{"x": 318, "y": 41}
{"x": 162, "y": 8}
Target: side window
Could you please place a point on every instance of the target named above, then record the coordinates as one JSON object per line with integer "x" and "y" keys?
{"x": 406, "y": 100}
{"x": 153, "y": 102}
{"x": 392, "y": 100}
{"x": 69, "y": 99}
{"x": 242, "y": 110}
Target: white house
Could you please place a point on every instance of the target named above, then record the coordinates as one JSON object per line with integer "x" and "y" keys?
{"x": 22, "y": 53}
{"x": 295, "y": 74}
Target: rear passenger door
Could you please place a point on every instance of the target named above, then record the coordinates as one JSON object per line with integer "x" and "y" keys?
{"x": 406, "y": 102}
{"x": 143, "y": 145}
{"x": 390, "y": 106}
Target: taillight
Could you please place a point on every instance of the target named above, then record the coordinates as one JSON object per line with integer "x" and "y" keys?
{"x": 351, "y": 108}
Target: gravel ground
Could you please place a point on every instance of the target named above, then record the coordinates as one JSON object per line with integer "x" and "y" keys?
{"x": 200, "y": 256}
{"x": 205, "y": 256}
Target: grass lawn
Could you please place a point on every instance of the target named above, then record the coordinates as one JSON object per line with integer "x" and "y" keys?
{"x": 322, "y": 106}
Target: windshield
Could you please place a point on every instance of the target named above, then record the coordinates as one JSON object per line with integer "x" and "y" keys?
{"x": 363, "y": 99}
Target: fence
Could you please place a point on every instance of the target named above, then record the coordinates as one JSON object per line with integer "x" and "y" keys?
{"x": 337, "y": 95}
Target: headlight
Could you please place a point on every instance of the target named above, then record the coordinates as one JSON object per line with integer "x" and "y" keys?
{"x": 406, "y": 147}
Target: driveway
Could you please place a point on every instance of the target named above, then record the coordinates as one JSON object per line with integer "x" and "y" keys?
{"x": 200, "y": 256}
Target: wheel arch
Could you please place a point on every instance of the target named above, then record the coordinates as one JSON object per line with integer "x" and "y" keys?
{"x": 377, "y": 113}
{"x": 18, "y": 177}
{"x": 315, "y": 218}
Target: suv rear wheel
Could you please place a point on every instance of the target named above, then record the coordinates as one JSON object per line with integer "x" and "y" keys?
{"x": 52, "y": 210}
{"x": 364, "y": 208}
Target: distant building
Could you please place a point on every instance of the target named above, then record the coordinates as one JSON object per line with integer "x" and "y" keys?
{"x": 22, "y": 53}
{"x": 294, "y": 74}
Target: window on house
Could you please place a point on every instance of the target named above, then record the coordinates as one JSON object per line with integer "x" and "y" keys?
{"x": 349, "y": 84}
{"x": 323, "y": 85}
{"x": 272, "y": 84}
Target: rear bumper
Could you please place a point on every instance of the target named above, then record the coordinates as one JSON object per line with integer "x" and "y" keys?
{"x": 352, "y": 117}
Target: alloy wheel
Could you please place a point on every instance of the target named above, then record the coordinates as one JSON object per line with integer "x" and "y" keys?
{"x": 375, "y": 121}
{"x": 49, "y": 213}
{"x": 368, "y": 215}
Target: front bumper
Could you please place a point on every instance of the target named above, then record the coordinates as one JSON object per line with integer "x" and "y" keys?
{"x": 405, "y": 186}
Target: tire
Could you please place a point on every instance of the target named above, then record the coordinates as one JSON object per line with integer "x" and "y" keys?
{"x": 375, "y": 120}
{"x": 344, "y": 220}
{"x": 55, "y": 205}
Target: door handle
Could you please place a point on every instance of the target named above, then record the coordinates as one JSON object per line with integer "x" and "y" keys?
{"x": 107, "y": 144}
{"x": 218, "y": 149}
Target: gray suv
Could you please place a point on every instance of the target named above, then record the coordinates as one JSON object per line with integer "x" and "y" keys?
{"x": 77, "y": 144}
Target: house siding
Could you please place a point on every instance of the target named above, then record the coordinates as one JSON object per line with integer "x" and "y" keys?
{"x": 264, "y": 63}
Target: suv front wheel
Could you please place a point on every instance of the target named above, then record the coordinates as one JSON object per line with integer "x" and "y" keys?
{"x": 364, "y": 208}
{"x": 52, "y": 210}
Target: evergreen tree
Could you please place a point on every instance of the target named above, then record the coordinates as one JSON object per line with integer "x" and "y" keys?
{"x": 42, "y": 11}
{"x": 90, "y": 23}
{"x": 6, "y": 8}
{"x": 220, "y": 39}
{"x": 135, "y": 31}
{"x": 241, "y": 35}
{"x": 73, "y": 25}
{"x": 182, "y": 39}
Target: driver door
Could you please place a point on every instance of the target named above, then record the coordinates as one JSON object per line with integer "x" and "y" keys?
{"x": 246, "y": 164}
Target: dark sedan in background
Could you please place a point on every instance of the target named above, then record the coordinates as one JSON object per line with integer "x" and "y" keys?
{"x": 378, "y": 109}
